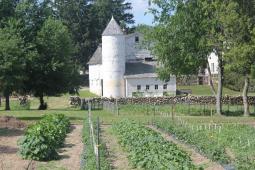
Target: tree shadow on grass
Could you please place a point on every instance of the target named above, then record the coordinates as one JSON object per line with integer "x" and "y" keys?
{"x": 30, "y": 118}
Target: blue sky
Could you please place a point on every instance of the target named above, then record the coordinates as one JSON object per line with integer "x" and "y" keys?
{"x": 139, "y": 9}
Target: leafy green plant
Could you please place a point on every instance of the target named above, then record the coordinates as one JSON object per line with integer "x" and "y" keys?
{"x": 148, "y": 149}
{"x": 43, "y": 138}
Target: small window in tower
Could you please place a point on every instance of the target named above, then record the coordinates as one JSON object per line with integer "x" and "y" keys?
{"x": 165, "y": 86}
{"x": 156, "y": 87}
{"x": 138, "y": 87}
{"x": 137, "y": 39}
{"x": 147, "y": 87}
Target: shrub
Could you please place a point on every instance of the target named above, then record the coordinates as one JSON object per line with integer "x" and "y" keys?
{"x": 43, "y": 138}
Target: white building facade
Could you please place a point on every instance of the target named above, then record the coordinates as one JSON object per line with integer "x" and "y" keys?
{"x": 121, "y": 68}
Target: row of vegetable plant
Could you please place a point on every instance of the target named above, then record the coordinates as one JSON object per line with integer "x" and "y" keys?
{"x": 148, "y": 149}
{"x": 42, "y": 139}
{"x": 88, "y": 157}
{"x": 226, "y": 143}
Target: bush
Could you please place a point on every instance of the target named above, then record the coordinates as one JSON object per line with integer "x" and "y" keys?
{"x": 43, "y": 138}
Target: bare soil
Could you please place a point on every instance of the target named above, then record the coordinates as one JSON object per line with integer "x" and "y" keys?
{"x": 9, "y": 159}
{"x": 69, "y": 154}
{"x": 11, "y": 122}
{"x": 196, "y": 157}
{"x": 117, "y": 156}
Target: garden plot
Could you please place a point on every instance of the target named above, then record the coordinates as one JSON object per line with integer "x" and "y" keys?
{"x": 117, "y": 156}
{"x": 229, "y": 144}
{"x": 149, "y": 150}
{"x": 10, "y": 159}
{"x": 196, "y": 157}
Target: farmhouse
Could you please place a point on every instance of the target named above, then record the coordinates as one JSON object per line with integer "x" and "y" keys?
{"x": 120, "y": 67}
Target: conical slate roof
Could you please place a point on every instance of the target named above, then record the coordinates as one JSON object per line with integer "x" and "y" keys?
{"x": 112, "y": 28}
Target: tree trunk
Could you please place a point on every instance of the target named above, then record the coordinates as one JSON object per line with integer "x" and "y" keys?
{"x": 210, "y": 79}
{"x": 245, "y": 96}
{"x": 42, "y": 104}
{"x": 7, "y": 101}
{"x": 220, "y": 83}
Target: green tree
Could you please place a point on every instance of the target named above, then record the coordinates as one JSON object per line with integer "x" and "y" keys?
{"x": 86, "y": 21}
{"x": 13, "y": 56}
{"x": 52, "y": 71}
{"x": 79, "y": 18}
{"x": 188, "y": 31}
{"x": 240, "y": 58}
{"x": 33, "y": 14}
{"x": 7, "y": 10}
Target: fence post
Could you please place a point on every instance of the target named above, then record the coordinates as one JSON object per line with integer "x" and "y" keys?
{"x": 117, "y": 107}
{"x": 204, "y": 109}
{"x": 98, "y": 144}
{"x": 173, "y": 111}
{"x": 83, "y": 104}
{"x": 189, "y": 109}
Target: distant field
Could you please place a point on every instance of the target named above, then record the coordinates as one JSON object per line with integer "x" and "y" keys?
{"x": 204, "y": 90}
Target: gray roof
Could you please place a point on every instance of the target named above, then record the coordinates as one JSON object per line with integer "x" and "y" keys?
{"x": 112, "y": 28}
{"x": 140, "y": 70}
{"x": 97, "y": 57}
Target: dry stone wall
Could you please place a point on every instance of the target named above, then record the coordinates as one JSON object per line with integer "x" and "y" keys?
{"x": 174, "y": 100}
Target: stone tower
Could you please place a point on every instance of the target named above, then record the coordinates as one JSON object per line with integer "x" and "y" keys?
{"x": 113, "y": 60}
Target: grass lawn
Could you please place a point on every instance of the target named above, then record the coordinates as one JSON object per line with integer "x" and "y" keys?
{"x": 143, "y": 114}
{"x": 86, "y": 94}
{"x": 204, "y": 90}
{"x": 56, "y": 105}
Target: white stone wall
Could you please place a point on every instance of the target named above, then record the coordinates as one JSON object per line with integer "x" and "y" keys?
{"x": 213, "y": 63}
{"x": 131, "y": 86}
{"x": 95, "y": 76}
{"x": 113, "y": 67}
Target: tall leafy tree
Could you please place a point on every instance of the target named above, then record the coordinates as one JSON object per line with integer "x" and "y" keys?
{"x": 52, "y": 71}
{"x": 240, "y": 58}
{"x": 189, "y": 31}
{"x": 7, "y": 10}
{"x": 13, "y": 56}
{"x": 78, "y": 16}
{"x": 32, "y": 14}
{"x": 87, "y": 19}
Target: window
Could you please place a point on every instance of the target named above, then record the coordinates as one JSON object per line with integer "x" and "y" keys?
{"x": 156, "y": 87}
{"x": 147, "y": 87}
{"x": 138, "y": 87}
{"x": 212, "y": 67}
{"x": 136, "y": 39}
{"x": 165, "y": 86}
